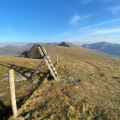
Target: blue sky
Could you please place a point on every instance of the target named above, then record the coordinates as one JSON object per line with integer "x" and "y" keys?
{"x": 75, "y": 21}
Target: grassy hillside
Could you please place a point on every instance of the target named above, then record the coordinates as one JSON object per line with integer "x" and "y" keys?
{"x": 72, "y": 52}
{"x": 88, "y": 87}
{"x": 92, "y": 93}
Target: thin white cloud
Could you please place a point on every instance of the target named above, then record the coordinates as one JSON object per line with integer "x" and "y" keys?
{"x": 105, "y": 31}
{"x": 100, "y": 24}
{"x": 86, "y": 1}
{"x": 114, "y": 10}
{"x": 77, "y": 17}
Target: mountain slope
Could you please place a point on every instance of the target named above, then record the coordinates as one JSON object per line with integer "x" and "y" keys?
{"x": 110, "y": 48}
{"x": 73, "y": 52}
{"x": 12, "y": 50}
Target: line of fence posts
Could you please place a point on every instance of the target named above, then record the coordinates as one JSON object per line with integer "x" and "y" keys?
{"x": 61, "y": 59}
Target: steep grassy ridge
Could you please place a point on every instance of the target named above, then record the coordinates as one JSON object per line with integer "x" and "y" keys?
{"x": 72, "y": 52}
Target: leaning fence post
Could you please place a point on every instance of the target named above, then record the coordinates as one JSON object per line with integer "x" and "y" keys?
{"x": 12, "y": 91}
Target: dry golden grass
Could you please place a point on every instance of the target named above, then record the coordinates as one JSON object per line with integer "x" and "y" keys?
{"x": 23, "y": 88}
{"x": 93, "y": 93}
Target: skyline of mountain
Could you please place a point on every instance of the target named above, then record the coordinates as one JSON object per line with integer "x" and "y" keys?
{"x": 109, "y": 48}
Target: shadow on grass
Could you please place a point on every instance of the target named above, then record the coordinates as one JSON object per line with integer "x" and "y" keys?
{"x": 18, "y": 69}
{"x": 4, "y": 111}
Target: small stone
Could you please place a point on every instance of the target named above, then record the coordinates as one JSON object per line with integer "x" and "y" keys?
{"x": 18, "y": 78}
{"x": 5, "y": 74}
{"x": 27, "y": 75}
{"x": 101, "y": 74}
{"x": 63, "y": 80}
{"x": 92, "y": 74}
{"x": 69, "y": 77}
{"x": 78, "y": 80}
{"x": 36, "y": 81}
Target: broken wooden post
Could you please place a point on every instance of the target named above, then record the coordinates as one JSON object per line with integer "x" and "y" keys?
{"x": 57, "y": 59}
{"x": 12, "y": 91}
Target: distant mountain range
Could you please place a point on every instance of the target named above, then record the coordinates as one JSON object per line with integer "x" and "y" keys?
{"x": 109, "y": 48}
{"x": 70, "y": 52}
{"x": 12, "y": 50}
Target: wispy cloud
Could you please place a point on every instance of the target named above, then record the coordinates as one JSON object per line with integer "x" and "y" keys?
{"x": 77, "y": 17}
{"x": 114, "y": 10}
{"x": 105, "y": 31}
{"x": 86, "y": 1}
{"x": 100, "y": 24}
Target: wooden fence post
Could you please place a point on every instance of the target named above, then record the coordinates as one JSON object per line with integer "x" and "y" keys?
{"x": 12, "y": 91}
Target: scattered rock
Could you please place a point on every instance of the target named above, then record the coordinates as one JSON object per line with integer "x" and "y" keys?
{"x": 27, "y": 75}
{"x": 78, "y": 80}
{"x": 5, "y": 78}
{"x": 92, "y": 74}
{"x": 68, "y": 77}
{"x": 6, "y": 74}
{"x": 63, "y": 80}
{"x": 36, "y": 81}
{"x": 102, "y": 74}
{"x": 18, "y": 78}
{"x": 90, "y": 77}
{"x": 115, "y": 77}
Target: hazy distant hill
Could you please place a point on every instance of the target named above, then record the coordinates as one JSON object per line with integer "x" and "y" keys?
{"x": 71, "y": 52}
{"x": 110, "y": 48}
{"x": 12, "y": 50}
